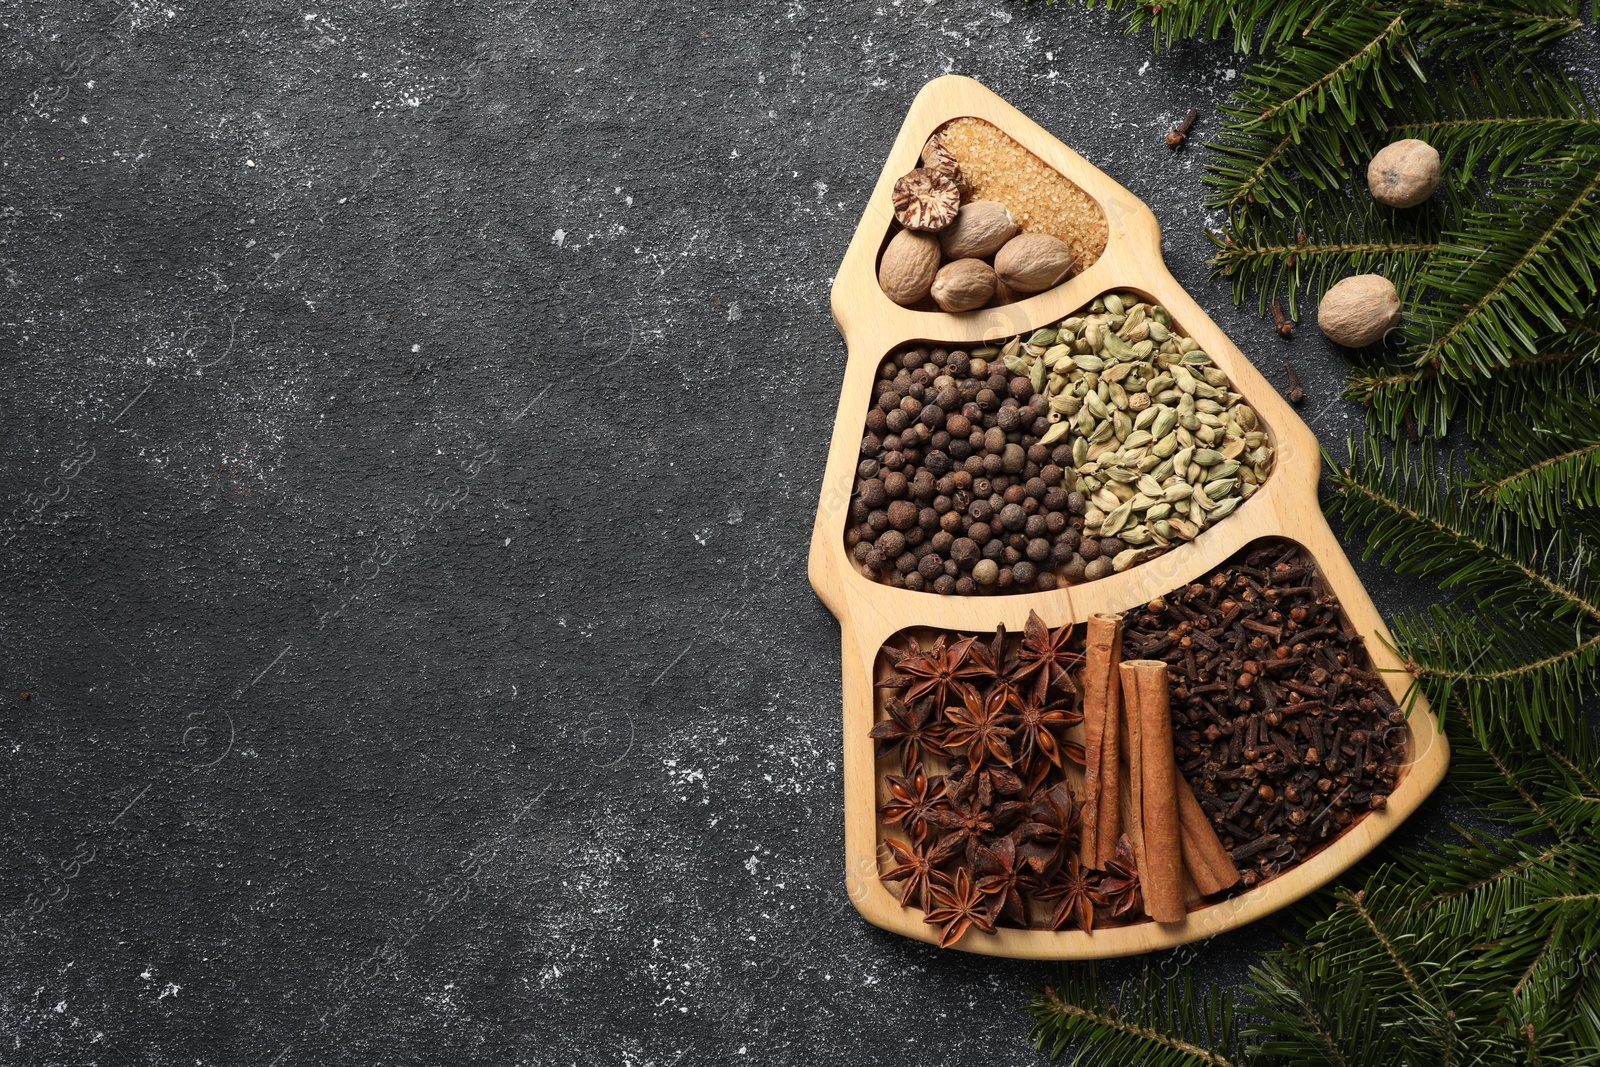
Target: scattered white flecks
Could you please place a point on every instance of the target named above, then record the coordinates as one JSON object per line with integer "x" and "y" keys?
{"x": 735, "y": 515}
{"x": 701, "y": 535}
{"x": 249, "y": 162}
{"x": 734, "y": 154}
{"x": 751, "y": 864}
{"x": 821, "y": 187}
{"x": 1229, "y": 74}
{"x": 559, "y": 238}
{"x": 89, "y": 84}
{"x": 169, "y": 990}
{"x": 506, "y": 543}
{"x": 1144, "y": 68}
{"x": 549, "y": 973}
{"x": 147, "y": 973}
{"x": 561, "y": 621}
{"x": 61, "y": 1008}
{"x": 742, "y": 1050}
{"x": 735, "y": 312}
{"x": 416, "y": 348}
{"x": 84, "y": 119}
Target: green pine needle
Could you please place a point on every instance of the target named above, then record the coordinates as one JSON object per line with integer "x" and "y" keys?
{"x": 1522, "y": 649}
{"x": 1149, "y": 1021}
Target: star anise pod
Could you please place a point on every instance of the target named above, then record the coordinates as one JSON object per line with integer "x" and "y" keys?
{"x": 915, "y": 868}
{"x": 1120, "y": 884}
{"x": 929, "y": 672}
{"x": 986, "y": 664}
{"x": 968, "y": 823}
{"x": 980, "y": 724}
{"x": 915, "y": 728}
{"x": 1045, "y": 650}
{"x": 1003, "y": 875}
{"x": 1075, "y": 897}
{"x": 1039, "y": 729}
{"x": 985, "y": 782}
{"x": 1047, "y": 832}
{"x": 958, "y": 905}
{"x": 911, "y": 798}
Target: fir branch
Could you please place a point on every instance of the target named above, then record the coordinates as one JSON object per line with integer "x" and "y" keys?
{"x": 1492, "y": 405}
{"x": 1346, "y": 55}
{"x": 1513, "y": 270}
{"x": 1163, "y": 1022}
{"x": 1350, "y": 238}
{"x": 1525, "y": 647}
{"x": 1544, "y": 461}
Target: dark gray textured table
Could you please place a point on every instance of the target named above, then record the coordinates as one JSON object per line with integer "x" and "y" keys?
{"x": 413, "y": 418}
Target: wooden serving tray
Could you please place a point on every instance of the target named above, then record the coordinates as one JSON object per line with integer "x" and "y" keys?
{"x": 869, "y": 612}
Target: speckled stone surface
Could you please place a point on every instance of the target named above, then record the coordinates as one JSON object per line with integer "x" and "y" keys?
{"x": 412, "y": 423}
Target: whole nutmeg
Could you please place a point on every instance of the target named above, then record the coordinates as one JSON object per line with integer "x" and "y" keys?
{"x": 908, "y": 266}
{"x": 1032, "y": 262}
{"x": 1404, "y": 174}
{"x": 1359, "y": 310}
{"x": 979, "y": 231}
{"x": 963, "y": 285}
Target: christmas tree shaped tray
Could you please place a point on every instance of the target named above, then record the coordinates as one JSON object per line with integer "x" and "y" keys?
{"x": 871, "y": 612}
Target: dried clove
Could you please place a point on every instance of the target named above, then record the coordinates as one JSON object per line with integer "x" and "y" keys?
{"x": 1180, "y": 132}
{"x": 1296, "y": 394}
{"x": 1280, "y": 322}
{"x": 1300, "y": 738}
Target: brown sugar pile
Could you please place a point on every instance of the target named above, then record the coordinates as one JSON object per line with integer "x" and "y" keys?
{"x": 1039, "y": 198}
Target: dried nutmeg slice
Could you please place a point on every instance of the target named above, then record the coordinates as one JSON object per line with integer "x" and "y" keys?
{"x": 935, "y": 156}
{"x": 924, "y": 199}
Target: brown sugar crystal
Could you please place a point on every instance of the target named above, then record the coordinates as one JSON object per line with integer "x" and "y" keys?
{"x": 996, "y": 167}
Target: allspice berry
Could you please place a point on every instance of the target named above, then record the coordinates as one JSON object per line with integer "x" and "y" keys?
{"x": 1358, "y": 311}
{"x": 1404, "y": 174}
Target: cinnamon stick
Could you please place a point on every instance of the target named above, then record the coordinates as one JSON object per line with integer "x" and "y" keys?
{"x": 1155, "y": 780}
{"x": 1102, "y": 780}
{"x": 1207, "y": 862}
